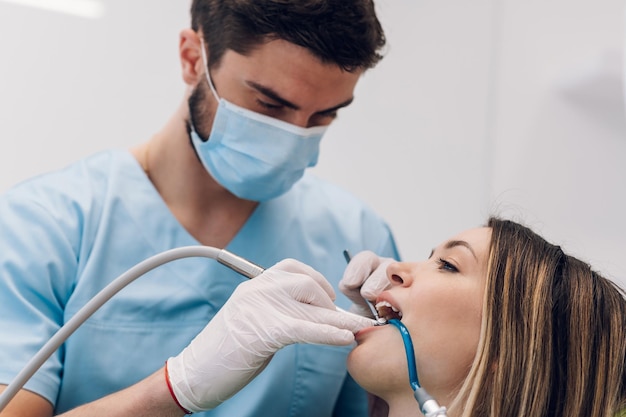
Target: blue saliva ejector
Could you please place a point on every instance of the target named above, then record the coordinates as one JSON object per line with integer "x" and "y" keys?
{"x": 428, "y": 405}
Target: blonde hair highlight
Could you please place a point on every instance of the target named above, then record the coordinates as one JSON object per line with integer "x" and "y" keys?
{"x": 553, "y": 335}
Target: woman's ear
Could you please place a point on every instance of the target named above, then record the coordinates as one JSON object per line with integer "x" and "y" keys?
{"x": 189, "y": 50}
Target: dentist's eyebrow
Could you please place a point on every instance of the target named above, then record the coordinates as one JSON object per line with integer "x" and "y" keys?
{"x": 266, "y": 91}
{"x": 272, "y": 94}
{"x": 453, "y": 243}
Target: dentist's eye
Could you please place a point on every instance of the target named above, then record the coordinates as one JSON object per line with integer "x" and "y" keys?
{"x": 269, "y": 106}
{"x": 446, "y": 266}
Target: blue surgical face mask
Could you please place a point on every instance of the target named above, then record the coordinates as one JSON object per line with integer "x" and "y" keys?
{"x": 255, "y": 157}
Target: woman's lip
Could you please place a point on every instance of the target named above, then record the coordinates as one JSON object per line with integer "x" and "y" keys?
{"x": 384, "y": 296}
{"x": 361, "y": 333}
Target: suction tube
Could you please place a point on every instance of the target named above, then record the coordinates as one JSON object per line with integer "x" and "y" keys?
{"x": 428, "y": 405}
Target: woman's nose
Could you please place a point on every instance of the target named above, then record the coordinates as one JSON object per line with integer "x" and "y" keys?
{"x": 400, "y": 273}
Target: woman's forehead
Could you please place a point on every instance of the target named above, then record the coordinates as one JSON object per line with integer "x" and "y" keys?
{"x": 477, "y": 238}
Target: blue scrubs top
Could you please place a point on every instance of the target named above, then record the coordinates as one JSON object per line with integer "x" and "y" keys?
{"x": 65, "y": 235}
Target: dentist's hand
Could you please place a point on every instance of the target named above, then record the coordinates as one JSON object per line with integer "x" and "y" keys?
{"x": 364, "y": 278}
{"x": 289, "y": 303}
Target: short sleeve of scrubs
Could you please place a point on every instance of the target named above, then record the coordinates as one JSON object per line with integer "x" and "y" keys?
{"x": 38, "y": 261}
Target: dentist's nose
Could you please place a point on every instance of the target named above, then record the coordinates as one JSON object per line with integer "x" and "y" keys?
{"x": 400, "y": 273}
{"x": 301, "y": 119}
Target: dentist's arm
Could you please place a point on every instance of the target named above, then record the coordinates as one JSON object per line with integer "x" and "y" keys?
{"x": 149, "y": 397}
{"x": 26, "y": 404}
{"x": 289, "y": 303}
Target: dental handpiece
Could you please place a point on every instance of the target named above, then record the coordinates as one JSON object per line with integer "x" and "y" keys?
{"x": 250, "y": 270}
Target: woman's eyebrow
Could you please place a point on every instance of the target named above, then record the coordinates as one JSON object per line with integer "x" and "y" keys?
{"x": 453, "y": 243}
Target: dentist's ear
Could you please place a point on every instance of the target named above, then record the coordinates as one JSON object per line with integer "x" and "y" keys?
{"x": 190, "y": 55}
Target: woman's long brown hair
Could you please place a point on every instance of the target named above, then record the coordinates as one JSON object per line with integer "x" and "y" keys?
{"x": 553, "y": 337}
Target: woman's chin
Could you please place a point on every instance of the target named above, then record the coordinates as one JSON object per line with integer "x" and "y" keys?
{"x": 369, "y": 369}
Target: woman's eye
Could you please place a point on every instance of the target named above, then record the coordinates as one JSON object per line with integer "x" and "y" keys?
{"x": 446, "y": 266}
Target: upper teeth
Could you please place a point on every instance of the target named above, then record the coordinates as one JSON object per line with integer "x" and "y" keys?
{"x": 380, "y": 305}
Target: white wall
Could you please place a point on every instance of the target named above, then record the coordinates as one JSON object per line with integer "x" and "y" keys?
{"x": 490, "y": 105}
{"x": 559, "y": 124}
{"x": 506, "y": 107}
{"x": 70, "y": 86}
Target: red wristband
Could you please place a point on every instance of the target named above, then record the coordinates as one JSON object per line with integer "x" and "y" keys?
{"x": 169, "y": 387}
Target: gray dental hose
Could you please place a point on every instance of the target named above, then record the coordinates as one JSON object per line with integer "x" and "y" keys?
{"x": 234, "y": 262}
{"x": 224, "y": 257}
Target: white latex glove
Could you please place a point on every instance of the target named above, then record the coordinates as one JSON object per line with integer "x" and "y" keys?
{"x": 289, "y": 303}
{"x": 364, "y": 278}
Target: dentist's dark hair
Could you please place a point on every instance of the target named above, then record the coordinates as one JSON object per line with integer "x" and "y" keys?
{"x": 553, "y": 337}
{"x": 346, "y": 33}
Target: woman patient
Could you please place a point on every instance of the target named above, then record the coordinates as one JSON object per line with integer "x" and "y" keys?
{"x": 503, "y": 324}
